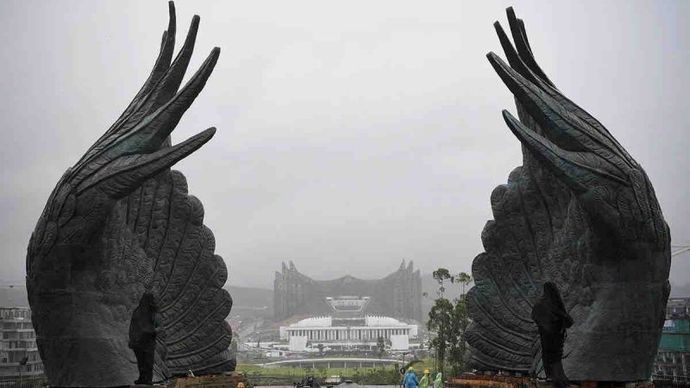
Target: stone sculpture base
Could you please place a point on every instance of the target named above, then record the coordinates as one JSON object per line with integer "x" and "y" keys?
{"x": 470, "y": 380}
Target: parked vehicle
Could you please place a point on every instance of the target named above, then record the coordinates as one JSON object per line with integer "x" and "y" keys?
{"x": 332, "y": 381}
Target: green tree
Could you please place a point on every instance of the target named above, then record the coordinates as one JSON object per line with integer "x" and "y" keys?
{"x": 457, "y": 346}
{"x": 441, "y": 275}
{"x": 381, "y": 346}
{"x": 234, "y": 345}
{"x": 440, "y": 317}
{"x": 464, "y": 279}
{"x": 448, "y": 321}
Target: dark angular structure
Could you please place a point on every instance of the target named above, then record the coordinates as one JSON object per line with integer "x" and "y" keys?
{"x": 397, "y": 295}
{"x": 582, "y": 213}
{"x": 120, "y": 222}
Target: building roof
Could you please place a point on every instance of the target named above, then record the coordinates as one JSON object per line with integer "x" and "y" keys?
{"x": 314, "y": 322}
{"x": 369, "y": 321}
{"x": 379, "y": 320}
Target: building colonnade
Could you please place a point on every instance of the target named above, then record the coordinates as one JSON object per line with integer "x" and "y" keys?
{"x": 347, "y": 333}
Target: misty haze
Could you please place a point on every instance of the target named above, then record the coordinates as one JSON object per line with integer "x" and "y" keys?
{"x": 350, "y": 137}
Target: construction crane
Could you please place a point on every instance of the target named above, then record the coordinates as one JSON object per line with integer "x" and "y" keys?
{"x": 677, "y": 249}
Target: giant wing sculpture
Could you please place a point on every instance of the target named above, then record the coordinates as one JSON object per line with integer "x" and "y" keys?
{"x": 119, "y": 223}
{"x": 580, "y": 212}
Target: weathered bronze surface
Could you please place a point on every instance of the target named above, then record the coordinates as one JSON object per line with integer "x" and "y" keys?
{"x": 119, "y": 222}
{"x": 579, "y": 212}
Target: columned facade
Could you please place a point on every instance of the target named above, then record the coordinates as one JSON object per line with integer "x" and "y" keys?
{"x": 347, "y": 332}
{"x": 332, "y": 334}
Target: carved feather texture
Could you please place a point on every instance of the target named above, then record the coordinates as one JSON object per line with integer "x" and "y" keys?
{"x": 119, "y": 222}
{"x": 187, "y": 276}
{"x": 580, "y": 212}
{"x": 533, "y": 238}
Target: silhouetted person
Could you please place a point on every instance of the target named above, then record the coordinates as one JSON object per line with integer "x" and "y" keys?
{"x": 552, "y": 319}
{"x": 142, "y": 337}
{"x": 310, "y": 381}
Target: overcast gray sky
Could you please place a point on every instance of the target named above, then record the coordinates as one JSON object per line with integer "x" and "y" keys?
{"x": 351, "y": 134}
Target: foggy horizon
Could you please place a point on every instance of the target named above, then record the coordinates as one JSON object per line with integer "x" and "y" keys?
{"x": 350, "y": 136}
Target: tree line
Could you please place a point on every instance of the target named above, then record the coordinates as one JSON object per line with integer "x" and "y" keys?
{"x": 448, "y": 321}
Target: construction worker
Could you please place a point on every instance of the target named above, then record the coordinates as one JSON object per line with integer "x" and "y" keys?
{"x": 410, "y": 380}
{"x": 438, "y": 381}
{"x": 424, "y": 382}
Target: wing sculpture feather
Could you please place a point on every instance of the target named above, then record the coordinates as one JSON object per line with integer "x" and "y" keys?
{"x": 119, "y": 222}
{"x": 580, "y": 212}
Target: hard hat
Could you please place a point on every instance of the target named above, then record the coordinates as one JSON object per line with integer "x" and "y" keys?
{"x": 426, "y": 371}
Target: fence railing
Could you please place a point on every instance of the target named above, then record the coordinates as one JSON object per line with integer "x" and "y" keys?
{"x": 676, "y": 379}
{"x": 23, "y": 382}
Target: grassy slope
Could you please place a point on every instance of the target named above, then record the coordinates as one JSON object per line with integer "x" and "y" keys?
{"x": 388, "y": 375}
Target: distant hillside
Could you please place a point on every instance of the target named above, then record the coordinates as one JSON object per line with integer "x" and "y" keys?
{"x": 13, "y": 297}
{"x": 251, "y": 302}
{"x": 247, "y": 301}
{"x": 678, "y": 291}
{"x": 243, "y": 297}
{"x": 258, "y": 302}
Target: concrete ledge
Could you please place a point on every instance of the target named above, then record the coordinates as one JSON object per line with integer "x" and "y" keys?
{"x": 211, "y": 381}
{"x": 229, "y": 380}
{"x": 470, "y": 380}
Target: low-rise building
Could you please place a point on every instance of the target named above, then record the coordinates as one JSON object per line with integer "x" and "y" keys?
{"x": 348, "y": 327}
{"x": 673, "y": 358}
{"x": 18, "y": 351}
{"x": 349, "y": 332}
{"x": 678, "y": 308}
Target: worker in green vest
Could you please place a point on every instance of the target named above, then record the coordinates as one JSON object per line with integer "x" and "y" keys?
{"x": 438, "y": 382}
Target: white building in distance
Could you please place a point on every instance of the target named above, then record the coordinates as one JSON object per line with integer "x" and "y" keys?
{"x": 348, "y": 332}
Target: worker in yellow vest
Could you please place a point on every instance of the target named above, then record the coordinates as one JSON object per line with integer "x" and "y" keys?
{"x": 424, "y": 382}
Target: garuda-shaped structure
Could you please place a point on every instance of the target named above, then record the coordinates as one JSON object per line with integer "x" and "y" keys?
{"x": 579, "y": 212}
{"x": 120, "y": 222}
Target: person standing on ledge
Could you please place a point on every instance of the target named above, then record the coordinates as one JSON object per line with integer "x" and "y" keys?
{"x": 552, "y": 320}
{"x": 142, "y": 337}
